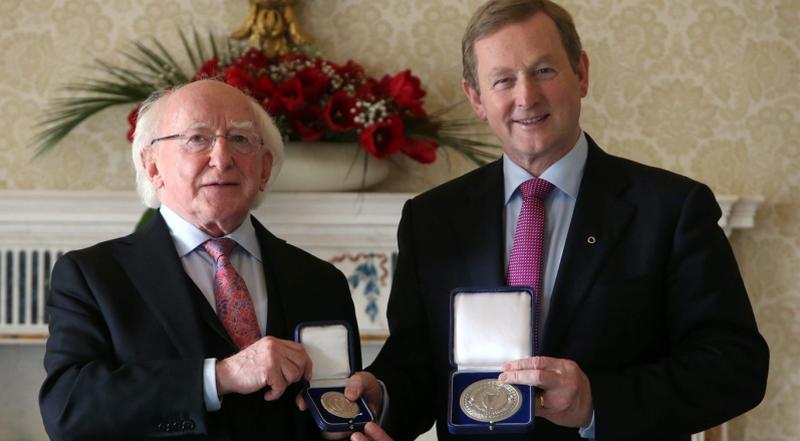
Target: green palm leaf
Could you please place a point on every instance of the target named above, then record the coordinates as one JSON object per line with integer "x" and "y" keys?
{"x": 152, "y": 67}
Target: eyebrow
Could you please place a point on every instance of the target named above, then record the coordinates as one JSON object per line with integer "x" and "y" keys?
{"x": 241, "y": 125}
{"x": 497, "y": 71}
{"x": 231, "y": 125}
{"x": 198, "y": 125}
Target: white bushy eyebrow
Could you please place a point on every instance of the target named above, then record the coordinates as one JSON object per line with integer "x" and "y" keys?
{"x": 198, "y": 125}
{"x": 241, "y": 125}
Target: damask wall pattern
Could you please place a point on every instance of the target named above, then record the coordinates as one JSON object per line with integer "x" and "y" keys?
{"x": 707, "y": 88}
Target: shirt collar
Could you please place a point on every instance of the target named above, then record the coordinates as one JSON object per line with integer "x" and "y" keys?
{"x": 565, "y": 174}
{"x": 187, "y": 237}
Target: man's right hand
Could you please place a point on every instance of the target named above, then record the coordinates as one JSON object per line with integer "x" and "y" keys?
{"x": 270, "y": 362}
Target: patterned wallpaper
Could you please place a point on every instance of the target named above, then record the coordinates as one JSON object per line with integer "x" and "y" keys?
{"x": 707, "y": 88}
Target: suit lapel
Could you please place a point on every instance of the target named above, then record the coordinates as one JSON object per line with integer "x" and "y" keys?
{"x": 280, "y": 307}
{"x": 479, "y": 228}
{"x": 154, "y": 268}
{"x": 599, "y": 218}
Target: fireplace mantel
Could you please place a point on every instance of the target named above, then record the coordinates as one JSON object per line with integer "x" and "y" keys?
{"x": 355, "y": 231}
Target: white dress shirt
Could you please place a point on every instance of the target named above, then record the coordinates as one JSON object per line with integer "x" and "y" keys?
{"x": 246, "y": 259}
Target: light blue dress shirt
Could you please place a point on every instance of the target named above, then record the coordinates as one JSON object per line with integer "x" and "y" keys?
{"x": 565, "y": 174}
{"x": 246, "y": 259}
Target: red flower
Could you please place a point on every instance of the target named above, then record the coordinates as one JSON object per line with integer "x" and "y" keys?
{"x": 132, "y": 122}
{"x": 273, "y": 106}
{"x": 307, "y": 123}
{"x": 266, "y": 92}
{"x": 253, "y": 61}
{"x": 314, "y": 83}
{"x": 339, "y": 112}
{"x": 384, "y": 138}
{"x": 406, "y": 91}
{"x": 291, "y": 95}
{"x": 209, "y": 69}
{"x": 298, "y": 91}
{"x": 293, "y": 57}
{"x": 368, "y": 91}
{"x": 238, "y": 78}
{"x": 421, "y": 150}
{"x": 264, "y": 87}
{"x": 351, "y": 70}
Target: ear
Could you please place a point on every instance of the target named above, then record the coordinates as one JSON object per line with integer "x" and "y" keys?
{"x": 266, "y": 170}
{"x": 150, "y": 165}
{"x": 474, "y": 98}
{"x": 582, "y": 71}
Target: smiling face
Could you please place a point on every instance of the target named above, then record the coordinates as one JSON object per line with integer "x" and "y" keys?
{"x": 529, "y": 92}
{"x": 213, "y": 190}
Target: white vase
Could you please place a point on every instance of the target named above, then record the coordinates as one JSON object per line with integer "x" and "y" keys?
{"x": 327, "y": 167}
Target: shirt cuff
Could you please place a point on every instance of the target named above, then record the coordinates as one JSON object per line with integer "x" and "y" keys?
{"x": 588, "y": 431}
{"x": 212, "y": 400}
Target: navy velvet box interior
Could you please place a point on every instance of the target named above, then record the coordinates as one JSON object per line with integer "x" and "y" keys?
{"x": 330, "y": 422}
{"x": 520, "y": 422}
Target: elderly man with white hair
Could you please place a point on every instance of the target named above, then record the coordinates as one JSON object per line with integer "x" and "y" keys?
{"x": 183, "y": 329}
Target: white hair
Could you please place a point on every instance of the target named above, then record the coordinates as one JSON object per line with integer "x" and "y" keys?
{"x": 146, "y": 130}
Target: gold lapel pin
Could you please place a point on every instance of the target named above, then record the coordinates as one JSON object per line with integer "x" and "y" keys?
{"x": 591, "y": 240}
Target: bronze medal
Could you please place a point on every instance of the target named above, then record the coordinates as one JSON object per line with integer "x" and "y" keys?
{"x": 337, "y": 404}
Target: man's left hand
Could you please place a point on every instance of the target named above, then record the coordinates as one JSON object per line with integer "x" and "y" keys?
{"x": 565, "y": 395}
{"x": 372, "y": 432}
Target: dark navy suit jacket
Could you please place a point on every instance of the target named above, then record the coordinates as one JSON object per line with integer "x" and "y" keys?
{"x": 654, "y": 311}
{"x": 129, "y": 331}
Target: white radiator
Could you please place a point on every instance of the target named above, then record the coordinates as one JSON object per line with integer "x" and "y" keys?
{"x": 24, "y": 283}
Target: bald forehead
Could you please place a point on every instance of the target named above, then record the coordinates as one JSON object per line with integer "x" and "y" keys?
{"x": 208, "y": 92}
{"x": 207, "y": 102}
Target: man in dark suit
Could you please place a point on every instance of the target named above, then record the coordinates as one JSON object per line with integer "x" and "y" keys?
{"x": 647, "y": 330}
{"x": 157, "y": 335}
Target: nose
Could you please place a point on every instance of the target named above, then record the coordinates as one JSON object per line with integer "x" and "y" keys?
{"x": 220, "y": 155}
{"x": 527, "y": 92}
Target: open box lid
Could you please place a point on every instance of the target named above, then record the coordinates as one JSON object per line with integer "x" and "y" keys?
{"x": 330, "y": 346}
{"x": 489, "y": 327}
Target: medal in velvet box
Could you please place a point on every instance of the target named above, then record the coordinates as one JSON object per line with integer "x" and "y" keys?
{"x": 489, "y": 327}
{"x": 331, "y": 346}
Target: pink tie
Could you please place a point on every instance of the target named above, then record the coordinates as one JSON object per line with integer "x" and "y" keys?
{"x": 234, "y": 305}
{"x": 525, "y": 263}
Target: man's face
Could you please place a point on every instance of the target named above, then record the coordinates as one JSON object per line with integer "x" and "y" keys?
{"x": 213, "y": 190}
{"x": 529, "y": 92}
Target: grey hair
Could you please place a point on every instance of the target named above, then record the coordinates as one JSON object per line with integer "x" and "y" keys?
{"x": 147, "y": 127}
{"x": 496, "y": 14}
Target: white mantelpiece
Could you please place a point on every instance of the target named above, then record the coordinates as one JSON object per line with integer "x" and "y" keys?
{"x": 355, "y": 231}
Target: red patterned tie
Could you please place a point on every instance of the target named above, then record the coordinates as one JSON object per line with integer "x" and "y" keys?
{"x": 234, "y": 305}
{"x": 525, "y": 263}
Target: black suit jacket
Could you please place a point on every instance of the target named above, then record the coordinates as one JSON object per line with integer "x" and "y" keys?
{"x": 129, "y": 331}
{"x": 655, "y": 311}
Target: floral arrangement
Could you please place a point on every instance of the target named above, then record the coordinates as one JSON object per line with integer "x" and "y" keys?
{"x": 310, "y": 98}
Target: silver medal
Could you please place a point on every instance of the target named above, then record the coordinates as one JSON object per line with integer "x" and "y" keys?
{"x": 489, "y": 400}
